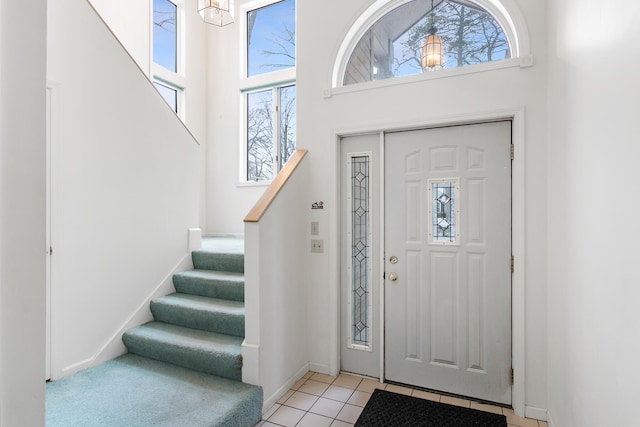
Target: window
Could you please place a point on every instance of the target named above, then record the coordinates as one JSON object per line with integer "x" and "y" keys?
{"x": 169, "y": 94}
{"x": 269, "y": 90}
{"x": 167, "y": 64}
{"x": 271, "y": 38}
{"x": 165, "y": 34}
{"x": 444, "y": 211}
{"x": 360, "y": 298}
{"x": 392, "y": 46}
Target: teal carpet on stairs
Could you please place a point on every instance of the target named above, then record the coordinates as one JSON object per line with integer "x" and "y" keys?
{"x": 135, "y": 391}
{"x": 184, "y": 368}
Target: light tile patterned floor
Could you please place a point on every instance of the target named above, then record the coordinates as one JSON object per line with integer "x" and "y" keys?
{"x": 319, "y": 400}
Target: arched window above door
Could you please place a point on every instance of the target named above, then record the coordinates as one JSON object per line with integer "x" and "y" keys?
{"x": 402, "y": 38}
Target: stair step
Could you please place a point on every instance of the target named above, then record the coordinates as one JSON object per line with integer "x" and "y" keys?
{"x": 203, "y": 351}
{"x": 218, "y": 260}
{"x": 198, "y": 312}
{"x": 212, "y": 284}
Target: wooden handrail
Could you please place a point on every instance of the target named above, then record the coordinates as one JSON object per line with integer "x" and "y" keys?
{"x": 261, "y": 206}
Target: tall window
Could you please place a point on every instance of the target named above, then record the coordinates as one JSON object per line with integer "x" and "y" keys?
{"x": 269, "y": 90}
{"x": 167, "y": 66}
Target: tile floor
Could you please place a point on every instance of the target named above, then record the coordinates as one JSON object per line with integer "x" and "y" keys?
{"x": 319, "y": 400}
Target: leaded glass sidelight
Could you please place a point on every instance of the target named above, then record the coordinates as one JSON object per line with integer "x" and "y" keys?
{"x": 360, "y": 295}
{"x": 443, "y": 211}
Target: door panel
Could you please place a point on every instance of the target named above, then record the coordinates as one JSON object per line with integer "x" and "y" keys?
{"x": 360, "y": 337}
{"x": 448, "y": 221}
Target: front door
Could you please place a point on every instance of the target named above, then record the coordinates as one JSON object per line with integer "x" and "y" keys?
{"x": 448, "y": 259}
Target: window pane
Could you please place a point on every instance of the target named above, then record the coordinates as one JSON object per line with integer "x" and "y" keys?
{"x": 360, "y": 257}
{"x": 444, "y": 197}
{"x": 271, "y": 38}
{"x": 169, "y": 94}
{"x": 260, "y": 164}
{"x": 165, "y": 42}
{"x": 287, "y": 122}
{"x": 393, "y": 45}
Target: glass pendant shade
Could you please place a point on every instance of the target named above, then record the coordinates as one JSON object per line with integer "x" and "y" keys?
{"x": 216, "y": 12}
{"x": 432, "y": 52}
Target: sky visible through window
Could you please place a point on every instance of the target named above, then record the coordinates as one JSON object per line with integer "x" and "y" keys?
{"x": 165, "y": 34}
{"x": 470, "y": 36}
{"x": 169, "y": 94}
{"x": 271, "y": 38}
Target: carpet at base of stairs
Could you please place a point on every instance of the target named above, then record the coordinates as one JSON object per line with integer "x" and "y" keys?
{"x": 134, "y": 391}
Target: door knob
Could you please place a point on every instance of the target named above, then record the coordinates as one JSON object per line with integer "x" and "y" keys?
{"x": 393, "y": 277}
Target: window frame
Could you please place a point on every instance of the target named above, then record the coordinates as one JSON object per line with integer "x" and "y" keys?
{"x": 274, "y": 80}
{"x": 505, "y": 13}
{"x": 164, "y": 76}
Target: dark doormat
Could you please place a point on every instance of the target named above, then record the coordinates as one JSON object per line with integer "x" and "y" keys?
{"x": 391, "y": 409}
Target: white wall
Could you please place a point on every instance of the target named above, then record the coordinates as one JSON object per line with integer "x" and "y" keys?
{"x": 124, "y": 188}
{"x": 130, "y": 21}
{"x": 22, "y": 212}
{"x": 227, "y": 201}
{"x": 593, "y": 205}
{"x": 276, "y": 333}
{"x": 429, "y": 100}
{"x": 320, "y": 119}
{"x": 131, "y": 24}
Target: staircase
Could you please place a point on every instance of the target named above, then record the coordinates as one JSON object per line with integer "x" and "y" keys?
{"x": 201, "y": 326}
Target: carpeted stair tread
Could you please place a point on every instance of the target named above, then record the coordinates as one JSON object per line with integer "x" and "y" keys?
{"x": 208, "y": 352}
{"x": 212, "y": 284}
{"x": 218, "y": 260}
{"x": 135, "y": 391}
{"x": 198, "y": 312}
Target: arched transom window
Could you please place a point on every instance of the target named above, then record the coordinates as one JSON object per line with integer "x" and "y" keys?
{"x": 424, "y": 36}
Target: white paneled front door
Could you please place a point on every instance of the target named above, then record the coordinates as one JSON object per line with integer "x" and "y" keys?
{"x": 448, "y": 259}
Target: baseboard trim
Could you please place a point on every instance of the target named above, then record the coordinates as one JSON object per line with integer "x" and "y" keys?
{"x": 114, "y": 346}
{"x": 72, "y": 369}
{"x": 535, "y": 413}
{"x": 550, "y": 420}
{"x": 273, "y": 398}
{"x": 321, "y": 369}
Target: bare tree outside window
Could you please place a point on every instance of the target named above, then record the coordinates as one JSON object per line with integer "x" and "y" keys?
{"x": 271, "y": 38}
{"x": 470, "y": 36}
{"x": 287, "y": 123}
{"x": 260, "y": 165}
{"x": 271, "y": 47}
{"x": 165, "y": 42}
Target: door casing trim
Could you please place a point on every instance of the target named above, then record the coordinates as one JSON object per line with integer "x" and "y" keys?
{"x": 517, "y": 116}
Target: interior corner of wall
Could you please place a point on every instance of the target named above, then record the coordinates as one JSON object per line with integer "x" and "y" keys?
{"x": 272, "y": 396}
{"x": 535, "y": 413}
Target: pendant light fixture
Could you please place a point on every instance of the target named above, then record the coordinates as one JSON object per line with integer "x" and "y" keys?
{"x": 216, "y": 12}
{"x": 432, "y": 50}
